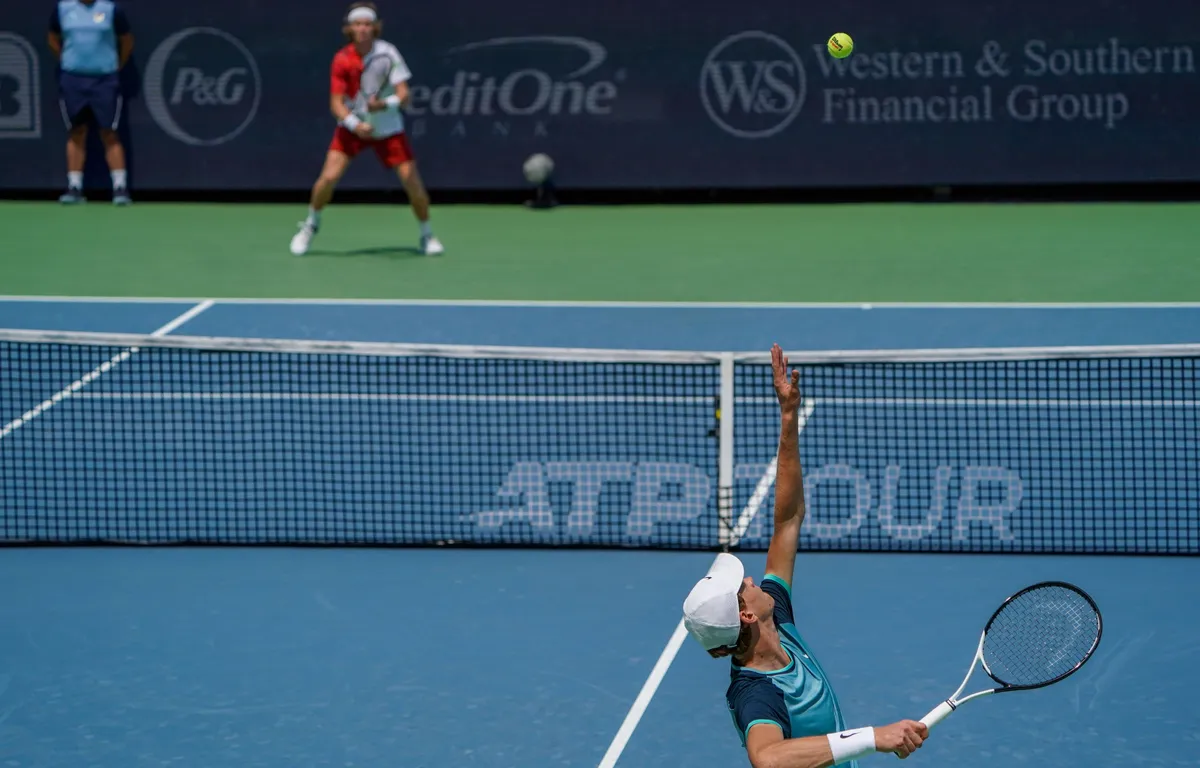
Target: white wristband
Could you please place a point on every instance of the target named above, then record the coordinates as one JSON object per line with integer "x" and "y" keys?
{"x": 351, "y": 122}
{"x": 851, "y": 745}
{"x": 393, "y": 101}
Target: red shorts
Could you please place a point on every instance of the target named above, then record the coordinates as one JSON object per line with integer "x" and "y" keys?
{"x": 391, "y": 150}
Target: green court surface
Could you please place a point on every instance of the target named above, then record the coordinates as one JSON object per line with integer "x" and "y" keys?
{"x": 775, "y": 253}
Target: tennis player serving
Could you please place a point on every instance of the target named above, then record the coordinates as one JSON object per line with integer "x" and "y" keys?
{"x": 368, "y": 88}
{"x": 781, "y": 700}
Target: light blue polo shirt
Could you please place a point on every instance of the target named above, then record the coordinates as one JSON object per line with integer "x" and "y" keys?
{"x": 89, "y": 36}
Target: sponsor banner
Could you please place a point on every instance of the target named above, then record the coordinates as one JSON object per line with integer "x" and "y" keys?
{"x": 20, "y": 88}
{"x": 202, "y": 87}
{"x": 233, "y": 95}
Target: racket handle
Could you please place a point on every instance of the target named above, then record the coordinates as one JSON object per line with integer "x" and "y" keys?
{"x": 938, "y": 714}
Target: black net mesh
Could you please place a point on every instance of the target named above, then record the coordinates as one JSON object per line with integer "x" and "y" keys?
{"x": 307, "y": 444}
{"x": 1062, "y": 455}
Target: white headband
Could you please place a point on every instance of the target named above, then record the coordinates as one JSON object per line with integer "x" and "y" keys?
{"x": 362, "y": 14}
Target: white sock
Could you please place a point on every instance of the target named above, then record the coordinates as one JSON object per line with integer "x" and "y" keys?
{"x": 118, "y": 179}
{"x": 426, "y": 229}
{"x": 75, "y": 179}
{"x": 314, "y": 218}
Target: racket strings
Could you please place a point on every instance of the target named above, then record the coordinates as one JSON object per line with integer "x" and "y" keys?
{"x": 1040, "y": 636}
{"x": 374, "y": 76}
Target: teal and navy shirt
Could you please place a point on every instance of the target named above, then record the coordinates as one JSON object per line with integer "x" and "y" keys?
{"x": 798, "y": 698}
{"x": 89, "y": 35}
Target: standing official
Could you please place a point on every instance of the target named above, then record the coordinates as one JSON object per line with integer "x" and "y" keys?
{"x": 92, "y": 41}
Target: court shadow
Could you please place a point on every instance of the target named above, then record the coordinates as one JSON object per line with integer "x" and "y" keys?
{"x": 395, "y": 251}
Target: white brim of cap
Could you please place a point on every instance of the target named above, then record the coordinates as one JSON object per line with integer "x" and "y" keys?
{"x": 710, "y": 612}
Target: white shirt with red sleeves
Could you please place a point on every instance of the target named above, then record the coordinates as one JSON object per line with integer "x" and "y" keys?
{"x": 344, "y": 77}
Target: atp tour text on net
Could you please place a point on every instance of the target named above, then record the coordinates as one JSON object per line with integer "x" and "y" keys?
{"x": 1036, "y": 82}
{"x": 674, "y": 493}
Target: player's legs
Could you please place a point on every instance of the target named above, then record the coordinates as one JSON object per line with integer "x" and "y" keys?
{"x": 395, "y": 152}
{"x": 414, "y": 186}
{"x": 336, "y": 164}
{"x": 342, "y": 150}
{"x": 76, "y": 157}
{"x": 418, "y": 198}
{"x": 76, "y": 114}
{"x": 105, "y": 102}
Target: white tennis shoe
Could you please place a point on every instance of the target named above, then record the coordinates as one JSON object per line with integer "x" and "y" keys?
{"x": 303, "y": 239}
{"x": 431, "y": 246}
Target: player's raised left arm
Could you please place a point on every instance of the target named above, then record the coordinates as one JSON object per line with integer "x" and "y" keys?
{"x": 789, "y": 488}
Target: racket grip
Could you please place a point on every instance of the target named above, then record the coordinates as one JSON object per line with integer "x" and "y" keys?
{"x": 938, "y": 714}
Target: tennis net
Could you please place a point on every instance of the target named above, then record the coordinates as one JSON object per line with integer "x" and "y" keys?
{"x": 157, "y": 440}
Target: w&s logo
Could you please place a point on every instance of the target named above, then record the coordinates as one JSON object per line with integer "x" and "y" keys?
{"x": 752, "y": 85}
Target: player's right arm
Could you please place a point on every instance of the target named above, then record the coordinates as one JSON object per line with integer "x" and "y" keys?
{"x": 767, "y": 748}
{"x": 337, "y": 105}
{"x": 339, "y": 86}
{"x": 760, "y": 712}
{"x": 54, "y": 34}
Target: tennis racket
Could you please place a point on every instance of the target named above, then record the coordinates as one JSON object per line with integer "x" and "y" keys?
{"x": 376, "y": 75}
{"x": 1040, "y": 635}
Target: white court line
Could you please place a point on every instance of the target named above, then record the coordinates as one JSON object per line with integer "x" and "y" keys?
{"x": 856, "y": 305}
{"x": 91, "y": 376}
{"x": 650, "y": 687}
{"x": 50, "y": 299}
{"x": 643, "y": 698}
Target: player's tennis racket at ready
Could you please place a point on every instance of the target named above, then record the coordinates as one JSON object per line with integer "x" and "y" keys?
{"x": 376, "y": 74}
{"x": 1040, "y": 635}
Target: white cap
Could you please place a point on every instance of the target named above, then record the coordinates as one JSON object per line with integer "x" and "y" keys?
{"x": 711, "y": 612}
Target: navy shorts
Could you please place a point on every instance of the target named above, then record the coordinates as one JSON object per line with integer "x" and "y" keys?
{"x": 90, "y": 96}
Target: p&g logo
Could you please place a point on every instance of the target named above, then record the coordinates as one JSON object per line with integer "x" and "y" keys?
{"x": 202, "y": 86}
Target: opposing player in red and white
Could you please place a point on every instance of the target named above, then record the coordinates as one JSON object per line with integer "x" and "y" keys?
{"x": 375, "y": 124}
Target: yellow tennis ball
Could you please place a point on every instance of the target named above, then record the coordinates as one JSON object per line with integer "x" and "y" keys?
{"x": 840, "y": 45}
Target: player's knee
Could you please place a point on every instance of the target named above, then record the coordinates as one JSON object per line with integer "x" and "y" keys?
{"x": 328, "y": 179}
{"x": 109, "y": 137}
{"x": 78, "y": 132}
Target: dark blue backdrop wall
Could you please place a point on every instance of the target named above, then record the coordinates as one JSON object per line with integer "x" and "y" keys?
{"x": 232, "y": 94}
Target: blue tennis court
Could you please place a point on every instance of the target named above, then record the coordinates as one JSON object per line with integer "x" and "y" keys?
{"x": 518, "y": 657}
